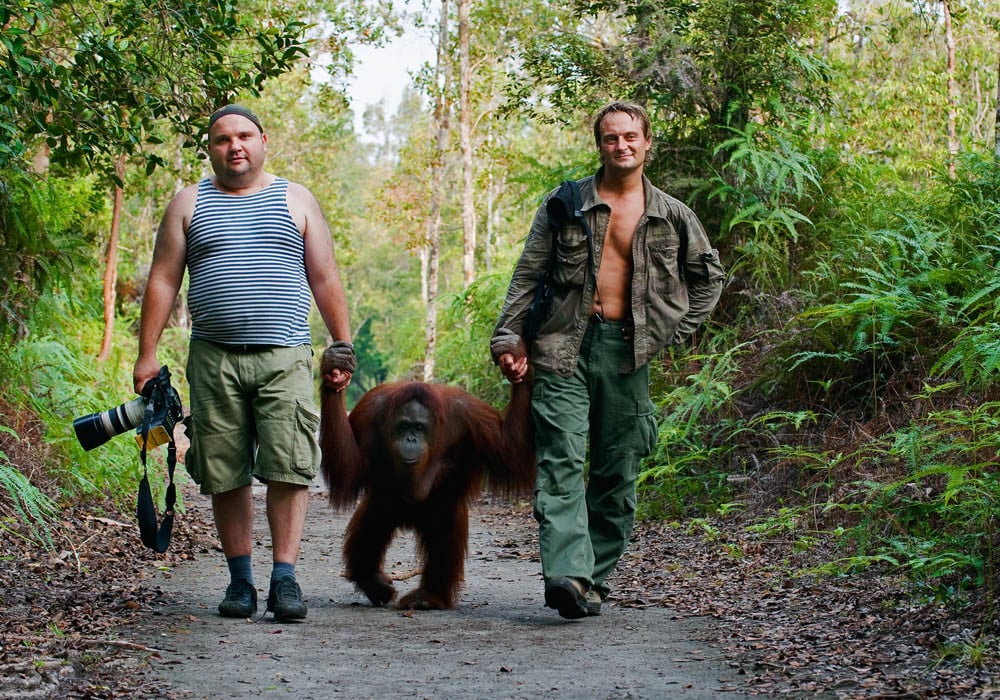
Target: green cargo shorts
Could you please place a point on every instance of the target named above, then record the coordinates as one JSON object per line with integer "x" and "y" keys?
{"x": 252, "y": 415}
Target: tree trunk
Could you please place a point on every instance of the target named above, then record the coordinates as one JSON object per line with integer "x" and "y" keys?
{"x": 424, "y": 267}
{"x": 952, "y": 89}
{"x": 180, "y": 306}
{"x": 440, "y": 124}
{"x": 111, "y": 268}
{"x": 465, "y": 141}
{"x": 490, "y": 229}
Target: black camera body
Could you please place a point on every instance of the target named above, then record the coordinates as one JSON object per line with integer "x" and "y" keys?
{"x": 158, "y": 409}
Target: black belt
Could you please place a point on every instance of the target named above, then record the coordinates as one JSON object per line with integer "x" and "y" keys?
{"x": 245, "y": 348}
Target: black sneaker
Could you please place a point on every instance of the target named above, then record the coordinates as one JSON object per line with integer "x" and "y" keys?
{"x": 240, "y": 600}
{"x": 566, "y": 595}
{"x": 285, "y": 600}
{"x": 593, "y": 603}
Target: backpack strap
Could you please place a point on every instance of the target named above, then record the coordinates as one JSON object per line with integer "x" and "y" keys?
{"x": 566, "y": 206}
{"x": 563, "y": 208}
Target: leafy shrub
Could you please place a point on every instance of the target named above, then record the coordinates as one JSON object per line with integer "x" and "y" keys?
{"x": 47, "y": 230}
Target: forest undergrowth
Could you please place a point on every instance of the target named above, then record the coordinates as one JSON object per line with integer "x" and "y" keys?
{"x": 765, "y": 577}
{"x": 842, "y": 531}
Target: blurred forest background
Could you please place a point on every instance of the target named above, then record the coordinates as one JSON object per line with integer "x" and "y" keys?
{"x": 842, "y": 155}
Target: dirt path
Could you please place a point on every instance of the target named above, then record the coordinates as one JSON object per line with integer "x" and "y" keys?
{"x": 500, "y": 642}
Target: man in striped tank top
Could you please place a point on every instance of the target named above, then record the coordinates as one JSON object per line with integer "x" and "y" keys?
{"x": 257, "y": 250}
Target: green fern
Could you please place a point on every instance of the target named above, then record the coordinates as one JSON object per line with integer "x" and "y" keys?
{"x": 693, "y": 441}
{"x": 36, "y": 510}
{"x": 975, "y": 354}
{"x": 762, "y": 188}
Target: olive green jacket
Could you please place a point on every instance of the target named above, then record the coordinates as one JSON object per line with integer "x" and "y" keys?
{"x": 666, "y": 309}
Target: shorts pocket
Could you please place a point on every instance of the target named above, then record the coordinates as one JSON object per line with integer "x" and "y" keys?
{"x": 218, "y": 457}
{"x": 191, "y": 462}
{"x": 288, "y": 445}
{"x": 306, "y": 456}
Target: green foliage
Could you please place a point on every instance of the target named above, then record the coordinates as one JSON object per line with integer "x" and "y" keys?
{"x": 47, "y": 231}
{"x": 35, "y": 509}
{"x": 952, "y": 489}
{"x": 898, "y": 296}
{"x": 976, "y": 353}
{"x": 690, "y": 59}
{"x": 937, "y": 521}
{"x": 972, "y": 209}
{"x": 839, "y": 411}
{"x": 54, "y": 377}
{"x": 464, "y": 347}
{"x": 700, "y": 69}
{"x": 95, "y": 80}
{"x": 891, "y": 77}
{"x": 685, "y": 471}
{"x": 976, "y": 651}
{"x": 371, "y": 370}
{"x": 760, "y": 190}
{"x": 892, "y": 283}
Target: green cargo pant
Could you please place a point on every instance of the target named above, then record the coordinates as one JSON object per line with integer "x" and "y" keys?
{"x": 585, "y": 517}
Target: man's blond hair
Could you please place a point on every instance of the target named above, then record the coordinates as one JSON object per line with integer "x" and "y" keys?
{"x": 630, "y": 108}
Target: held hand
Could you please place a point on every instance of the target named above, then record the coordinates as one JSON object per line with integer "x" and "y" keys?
{"x": 513, "y": 368}
{"x": 511, "y": 354}
{"x": 336, "y": 379}
{"x": 337, "y": 365}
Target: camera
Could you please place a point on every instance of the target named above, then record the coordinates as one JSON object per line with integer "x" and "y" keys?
{"x": 158, "y": 399}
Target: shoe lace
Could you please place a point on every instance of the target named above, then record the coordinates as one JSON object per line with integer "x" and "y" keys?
{"x": 236, "y": 590}
{"x": 286, "y": 589}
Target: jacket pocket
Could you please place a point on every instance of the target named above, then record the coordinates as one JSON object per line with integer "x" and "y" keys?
{"x": 662, "y": 270}
{"x": 708, "y": 268}
{"x": 571, "y": 257}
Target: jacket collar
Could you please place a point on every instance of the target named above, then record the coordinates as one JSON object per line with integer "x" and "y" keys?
{"x": 655, "y": 206}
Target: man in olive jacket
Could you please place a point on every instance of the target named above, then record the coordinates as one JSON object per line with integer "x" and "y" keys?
{"x": 618, "y": 300}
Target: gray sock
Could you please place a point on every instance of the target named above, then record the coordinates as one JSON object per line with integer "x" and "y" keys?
{"x": 241, "y": 568}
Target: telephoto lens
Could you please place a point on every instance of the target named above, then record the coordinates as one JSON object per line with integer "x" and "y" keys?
{"x": 97, "y": 428}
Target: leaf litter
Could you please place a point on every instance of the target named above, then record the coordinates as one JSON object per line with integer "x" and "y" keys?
{"x": 66, "y": 612}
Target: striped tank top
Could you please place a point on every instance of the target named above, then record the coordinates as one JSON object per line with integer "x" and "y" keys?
{"x": 246, "y": 269}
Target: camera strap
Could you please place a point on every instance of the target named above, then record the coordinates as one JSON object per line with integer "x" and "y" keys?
{"x": 145, "y": 509}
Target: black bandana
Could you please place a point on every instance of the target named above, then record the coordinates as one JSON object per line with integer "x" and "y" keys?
{"x": 234, "y": 109}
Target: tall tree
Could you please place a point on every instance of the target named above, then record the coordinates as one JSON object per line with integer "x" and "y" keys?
{"x": 949, "y": 42}
{"x": 495, "y": 142}
{"x": 465, "y": 141}
{"x": 111, "y": 265}
{"x": 442, "y": 75}
{"x": 887, "y": 60}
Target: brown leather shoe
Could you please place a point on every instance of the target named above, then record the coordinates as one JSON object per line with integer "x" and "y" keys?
{"x": 566, "y": 595}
